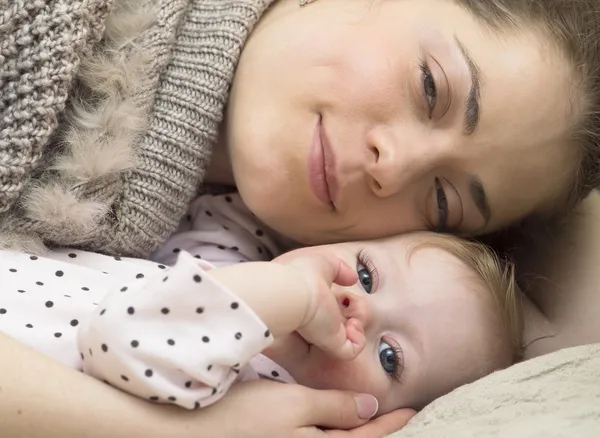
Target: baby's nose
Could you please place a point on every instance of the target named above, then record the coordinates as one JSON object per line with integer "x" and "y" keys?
{"x": 357, "y": 307}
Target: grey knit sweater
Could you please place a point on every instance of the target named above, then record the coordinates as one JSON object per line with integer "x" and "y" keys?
{"x": 108, "y": 112}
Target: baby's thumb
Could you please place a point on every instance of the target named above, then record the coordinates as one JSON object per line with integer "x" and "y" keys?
{"x": 328, "y": 267}
{"x": 346, "y": 276}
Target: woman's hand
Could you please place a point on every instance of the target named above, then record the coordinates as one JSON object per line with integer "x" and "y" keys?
{"x": 43, "y": 399}
{"x": 264, "y": 408}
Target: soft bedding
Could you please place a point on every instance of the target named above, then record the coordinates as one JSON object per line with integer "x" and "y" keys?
{"x": 556, "y": 395}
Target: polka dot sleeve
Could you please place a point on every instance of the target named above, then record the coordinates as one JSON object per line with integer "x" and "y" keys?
{"x": 178, "y": 337}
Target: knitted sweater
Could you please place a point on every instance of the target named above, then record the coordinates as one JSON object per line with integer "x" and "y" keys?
{"x": 108, "y": 112}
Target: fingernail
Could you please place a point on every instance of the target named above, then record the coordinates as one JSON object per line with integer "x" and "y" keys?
{"x": 366, "y": 406}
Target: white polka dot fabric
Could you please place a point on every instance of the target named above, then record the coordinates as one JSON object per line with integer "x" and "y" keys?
{"x": 220, "y": 229}
{"x": 168, "y": 334}
{"x": 175, "y": 336}
{"x": 44, "y": 299}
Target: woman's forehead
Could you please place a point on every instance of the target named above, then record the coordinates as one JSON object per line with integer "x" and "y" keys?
{"x": 526, "y": 103}
{"x": 527, "y": 107}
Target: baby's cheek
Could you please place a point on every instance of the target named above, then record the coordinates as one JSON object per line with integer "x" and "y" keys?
{"x": 346, "y": 375}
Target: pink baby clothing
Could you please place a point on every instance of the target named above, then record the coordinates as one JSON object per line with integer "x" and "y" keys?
{"x": 222, "y": 229}
{"x": 165, "y": 333}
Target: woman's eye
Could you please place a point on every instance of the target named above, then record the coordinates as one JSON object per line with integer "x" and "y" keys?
{"x": 365, "y": 278}
{"x": 388, "y": 358}
{"x": 429, "y": 87}
{"x": 442, "y": 206}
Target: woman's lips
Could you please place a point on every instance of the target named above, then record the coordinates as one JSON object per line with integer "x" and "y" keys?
{"x": 321, "y": 167}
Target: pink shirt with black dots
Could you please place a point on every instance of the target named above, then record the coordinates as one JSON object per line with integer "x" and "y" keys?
{"x": 162, "y": 330}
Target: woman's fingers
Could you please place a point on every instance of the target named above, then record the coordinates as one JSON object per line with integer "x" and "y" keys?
{"x": 337, "y": 409}
{"x": 297, "y": 412}
{"x": 378, "y": 428}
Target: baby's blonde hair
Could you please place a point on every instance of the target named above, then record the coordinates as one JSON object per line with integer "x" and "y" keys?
{"x": 496, "y": 275}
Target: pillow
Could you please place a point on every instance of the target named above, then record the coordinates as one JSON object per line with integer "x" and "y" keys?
{"x": 556, "y": 395}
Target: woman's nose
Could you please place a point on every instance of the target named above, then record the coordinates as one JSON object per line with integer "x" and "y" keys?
{"x": 393, "y": 163}
{"x": 356, "y": 306}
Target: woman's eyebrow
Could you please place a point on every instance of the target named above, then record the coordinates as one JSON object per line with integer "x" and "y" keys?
{"x": 472, "y": 103}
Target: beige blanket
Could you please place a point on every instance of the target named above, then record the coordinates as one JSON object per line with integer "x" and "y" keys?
{"x": 557, "y": 395}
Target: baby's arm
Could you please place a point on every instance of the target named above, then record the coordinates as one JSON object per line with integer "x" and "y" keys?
{"x": 182, "y": 337}
{"x": 178, "y": 338}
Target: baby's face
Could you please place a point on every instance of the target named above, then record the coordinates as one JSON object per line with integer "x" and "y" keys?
{"x": 427, "y": 320}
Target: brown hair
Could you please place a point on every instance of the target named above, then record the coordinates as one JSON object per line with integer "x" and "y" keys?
{"x": 496, "y": 275}
{"x": 573, "y": 26}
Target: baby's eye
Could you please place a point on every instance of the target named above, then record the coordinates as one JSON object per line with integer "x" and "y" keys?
{"x": 365, "y": 278}
{"x": 368, "y": 276}
{"x": 388, "y": 358}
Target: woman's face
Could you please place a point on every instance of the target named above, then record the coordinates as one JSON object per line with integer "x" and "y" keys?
{"x": 357, "y": 120}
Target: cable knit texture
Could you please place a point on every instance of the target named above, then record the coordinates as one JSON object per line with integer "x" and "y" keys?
{"x": 40, "y": 46}
{"x": 114, "y": 168}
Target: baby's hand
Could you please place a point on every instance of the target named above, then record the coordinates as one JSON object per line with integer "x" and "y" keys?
{"x": 324, "y": 324}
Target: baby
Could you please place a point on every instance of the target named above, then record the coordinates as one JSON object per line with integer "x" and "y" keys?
{"x": 406, "y": 319}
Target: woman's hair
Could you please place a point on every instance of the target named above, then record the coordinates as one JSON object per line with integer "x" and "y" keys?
{"x": 498, "y": 278}
{"x": 573, "y": 27}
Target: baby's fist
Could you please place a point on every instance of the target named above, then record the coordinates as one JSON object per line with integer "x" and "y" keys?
{"x": 324, "y": 324}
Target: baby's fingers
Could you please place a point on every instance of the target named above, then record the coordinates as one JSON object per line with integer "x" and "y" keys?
{"x": 348, "y": 342}
{"x": 356, "y": 334}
